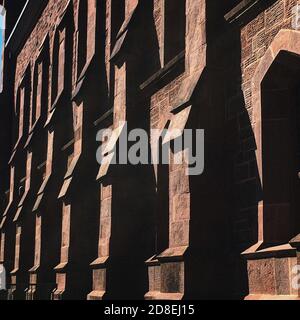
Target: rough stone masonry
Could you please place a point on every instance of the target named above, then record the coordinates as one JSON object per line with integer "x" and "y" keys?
{"x": 73, "y": 229}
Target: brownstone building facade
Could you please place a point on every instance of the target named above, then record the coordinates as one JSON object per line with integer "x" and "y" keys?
{"x": 71, "y": 229}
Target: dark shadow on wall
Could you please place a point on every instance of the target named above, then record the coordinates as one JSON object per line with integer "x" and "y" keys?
{"x": 134, "y": 187}
{"x": 242, "y": 181}
{"x": 223, "y": 201}
{"x": 225, "y": 197}
{"x": 61, "y": 126}
{"x": 93, "y": 93}
{"x": 6, "y": 117}
{"x": 280, "y": 157}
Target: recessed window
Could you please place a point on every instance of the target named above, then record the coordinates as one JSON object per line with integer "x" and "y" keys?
{"x": 86, "y": 35}
{"x": 37, "y": 93}
{"x": 174, "y": 29}
{"x": 40, "y": 85}
{"x": 62, "y": 57}
{"x": 58, "y": 64}
{"x": 19, "y": 112}
{"x": 82, "y": 35}
{"x": 117, "y": 17}
{"x": 23, "y": 106}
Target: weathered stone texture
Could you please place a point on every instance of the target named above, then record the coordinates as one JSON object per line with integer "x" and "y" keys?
{"x": 74, "y": 230}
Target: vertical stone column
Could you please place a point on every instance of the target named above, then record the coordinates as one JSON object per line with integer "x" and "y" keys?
{"x": 167, "y": 270}
{"x": 6, "y": 217}
{"x": 2, "y": 246}
{"x": 47, "y": 231}
{"x": 119, "y": 271}
{"x": 68, "y": 269}
{"x": 7, "y": 232}
{"x": 61, "y": 274}
{"x": 3, "y": 292}
{"x": 24, "y": 252}
{"x": 295, "y": 281}
{"x": 12, "y": 295}
{"x": 32, "y": 293}
{"x": 276, "y": 150}
{"x": 120, "y": 95}
{"x": 100, "y": 265}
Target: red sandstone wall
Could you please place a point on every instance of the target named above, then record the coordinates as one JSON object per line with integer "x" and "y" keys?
{"x": 256, "y": 36}
{"x": 45, "y": 25}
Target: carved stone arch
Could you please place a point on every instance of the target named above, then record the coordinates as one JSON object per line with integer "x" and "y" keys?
{"x": 284, "y": 52}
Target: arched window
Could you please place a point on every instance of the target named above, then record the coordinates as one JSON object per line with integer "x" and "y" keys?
{"x": 58, "y": 65}
{"x": 39, "y": 111}
{"x": 280, "y": 149}
{"x": 82, "y": 35}
{"x": 17, "y": 115}
{"x": 36, "y": 94}
{"x": 23, "y": 106}
{"x": 62, "y": 57}
{"x": 61, "y": 80}
{"x": 40, "y": 85}
{"x": 86, "y": 35}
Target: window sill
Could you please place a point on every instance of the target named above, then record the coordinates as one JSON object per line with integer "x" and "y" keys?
{"x": 62, "y": 267}
{"x": 174, "y": 65}
{"x": 34, "y": 269}
{"x": 99, "y": 262}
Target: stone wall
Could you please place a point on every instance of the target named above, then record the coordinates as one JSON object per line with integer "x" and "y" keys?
{"x": 256, "y": 36}
{"x": 176, "y": 236}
